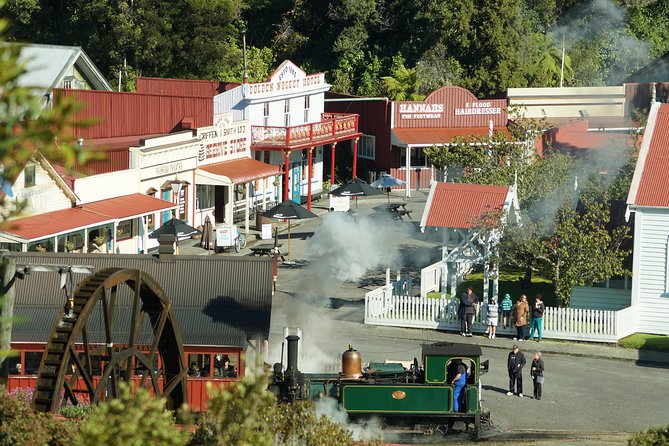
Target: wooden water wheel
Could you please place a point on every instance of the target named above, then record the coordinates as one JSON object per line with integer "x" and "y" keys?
{"x": 117, "y": 323}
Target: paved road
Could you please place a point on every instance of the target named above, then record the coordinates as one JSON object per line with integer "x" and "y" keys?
{"x": 336, "y": 259}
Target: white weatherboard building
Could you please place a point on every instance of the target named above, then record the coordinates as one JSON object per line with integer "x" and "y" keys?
{"x": 289, "y": 127}
{"x": 649, "y": 200}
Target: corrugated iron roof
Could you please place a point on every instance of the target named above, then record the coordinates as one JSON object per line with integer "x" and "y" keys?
{"x": 651, "y": 176}
{"x": 96, "y": 213}
{"x": 455, "y": 205}
{"x": 217, "y": 300}
{"x": 441, "y": 135}
{"x": 241, "y": 170}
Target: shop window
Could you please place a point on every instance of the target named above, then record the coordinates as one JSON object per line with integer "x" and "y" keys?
{"x": 124, "y": 230}
{"x": 367, "y": 147}
{"x": 32, "y": 360}
{"x": 418, "y": 158}
{"x": 204, "y": 196}
{"x": 29, "y": 175}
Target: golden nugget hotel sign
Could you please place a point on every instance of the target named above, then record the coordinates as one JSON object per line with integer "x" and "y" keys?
{"x": 280, "y": 86}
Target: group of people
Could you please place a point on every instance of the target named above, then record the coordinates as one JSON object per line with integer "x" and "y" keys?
{"x": 516, "y": 363}
{"x": 517, "y": 314}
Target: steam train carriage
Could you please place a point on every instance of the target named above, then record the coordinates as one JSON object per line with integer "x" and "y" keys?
{"x": 418, "y": 396}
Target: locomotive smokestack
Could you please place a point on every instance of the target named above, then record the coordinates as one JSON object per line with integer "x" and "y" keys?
{"x": 292, "y": 353}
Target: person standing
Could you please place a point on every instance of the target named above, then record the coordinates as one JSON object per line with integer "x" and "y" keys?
{"x": 516, "y": 362}
{"x": 537, "y": 373}
{"x": 468, "y": 301}
{"x": 521, "y": 312}
{"x": 493, "y": 317}
{"x": 459, "y": 381}
{"x": 537, "y": 316}
{"x": 506, "y": 306}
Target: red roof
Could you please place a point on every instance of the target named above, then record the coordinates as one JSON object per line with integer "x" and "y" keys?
{"x": 455, "y": 205}
{"x": 651, "y": 177}
{"x": 86, "y": 215}
{"x": 242, "y": 170}
{"x": 441, "y": 135}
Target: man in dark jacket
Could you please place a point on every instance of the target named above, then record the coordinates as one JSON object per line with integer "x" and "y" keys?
{"x": 516, "y": 362}
{"x": 468, "y": 301}
{"x": 537, "y": 373}
{"x": 537, "y": 316}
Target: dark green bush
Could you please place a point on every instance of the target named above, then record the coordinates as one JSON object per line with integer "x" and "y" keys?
{"x": 78, "y": 412}
{"x": 655, "y": 436}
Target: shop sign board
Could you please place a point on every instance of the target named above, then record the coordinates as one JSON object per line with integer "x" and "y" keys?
{"x": 226, "y": 140}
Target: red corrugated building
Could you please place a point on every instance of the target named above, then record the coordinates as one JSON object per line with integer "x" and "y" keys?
{"x": 182, "y": 87}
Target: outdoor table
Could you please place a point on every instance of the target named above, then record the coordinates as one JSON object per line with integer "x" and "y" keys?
{"x": 394, "y": 207}
{"x": 266, "y": 249}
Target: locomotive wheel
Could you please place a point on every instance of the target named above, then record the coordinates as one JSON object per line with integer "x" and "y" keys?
{"x": 113, "y": 312}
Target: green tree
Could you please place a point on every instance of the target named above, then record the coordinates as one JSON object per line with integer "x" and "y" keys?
{"x": 655, "y": 436}
{"x": 402, "y": 84}
{"x": 132, "y": 419}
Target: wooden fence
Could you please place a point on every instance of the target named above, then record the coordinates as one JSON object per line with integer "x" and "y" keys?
{"x": 384, "y": 308}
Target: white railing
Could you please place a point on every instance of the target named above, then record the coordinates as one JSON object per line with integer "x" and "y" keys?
{"x": 430, "y": 278}
{"x": 382, "y": 308}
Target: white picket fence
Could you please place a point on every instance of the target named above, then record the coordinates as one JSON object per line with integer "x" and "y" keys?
{"x": 382, "y": 308}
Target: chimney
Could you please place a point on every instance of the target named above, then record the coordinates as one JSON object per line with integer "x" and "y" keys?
{"x": 166, "y": 247}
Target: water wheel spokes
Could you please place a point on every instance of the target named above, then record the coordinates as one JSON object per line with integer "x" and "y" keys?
{"x": 120, "y": 320}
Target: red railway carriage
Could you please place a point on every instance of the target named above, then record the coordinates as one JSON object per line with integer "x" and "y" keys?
{"x": 85, "y": 322}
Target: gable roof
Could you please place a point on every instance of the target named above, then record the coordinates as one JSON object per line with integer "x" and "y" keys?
{"x": 217, "y": 300}
{"x": 650, "y": 184}
{"x": 456, "y": 205}
{"x": 48, "y": 65}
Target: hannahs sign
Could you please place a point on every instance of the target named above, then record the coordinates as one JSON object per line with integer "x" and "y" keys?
{"x": 449, "y": 107}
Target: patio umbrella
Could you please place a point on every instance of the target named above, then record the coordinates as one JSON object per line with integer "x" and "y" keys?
{"x": 177, "y": 228}
{"x": 386, "y": 182}
{"x": 289, "y": 210}
{"x": 354, "y": 188}
{"x": 206, "y": 236}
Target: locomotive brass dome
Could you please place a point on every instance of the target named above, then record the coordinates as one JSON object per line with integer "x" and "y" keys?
{"x": 351, "y": 364}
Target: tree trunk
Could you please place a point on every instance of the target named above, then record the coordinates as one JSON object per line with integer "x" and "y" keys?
{"x": 8, "y": 269}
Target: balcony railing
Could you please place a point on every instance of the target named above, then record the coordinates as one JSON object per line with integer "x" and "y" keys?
{"x": 332, "y": 127}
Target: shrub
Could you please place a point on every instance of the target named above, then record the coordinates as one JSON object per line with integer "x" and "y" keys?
{"x": 131, "y": 420}
{"x": 655, "y": 436}
{"x": 78, "y": 412}
{"x": 434, "y": 295}
{"x": 20, "y": 425}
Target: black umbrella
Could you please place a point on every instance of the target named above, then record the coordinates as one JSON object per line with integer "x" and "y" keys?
{"x": 354, "y": 188}
{"x": 175, "y": 227}
{"x": 289, "y": 210}
{"x": 206, "y": 236}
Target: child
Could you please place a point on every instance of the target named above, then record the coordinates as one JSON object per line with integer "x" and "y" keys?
{"x": 493, "y": 316}
{"x": 506, "y": 306}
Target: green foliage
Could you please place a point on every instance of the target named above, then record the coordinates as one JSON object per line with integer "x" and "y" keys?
{"x": 131, "y": 420}
{"x": 644, "y": 341}
{"x": 509, "y": 283}
{"x": 402, "y": 84}
{"x": 655, "y": 436}
{"x": 238, "y": 416}
{"x": 20, "y": 425}
{"x": 78, "y": 412}
{"x": 433, "y": 295}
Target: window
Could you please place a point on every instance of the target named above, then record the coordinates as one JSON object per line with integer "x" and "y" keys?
{"x": 124, "y": 230}
{"x": 32, "y": 360}
{"x": 199, "y": 365}
{"x": 418, "y": 158}
{"x": 286, "y": 113}
{"x": 367, "y": 147}
{"x": 265, "y": 114}
{"x": 204, "y": 196}
{"x": 307, "y": 106}
{"x": 226, "y": 365}
{"x": 29, "y": 176}
{"x": 14, "y": 363}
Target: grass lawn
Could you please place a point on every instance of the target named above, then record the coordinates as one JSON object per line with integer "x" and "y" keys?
{"x": 643, "y": 341}
{"x": 509, "y": 283}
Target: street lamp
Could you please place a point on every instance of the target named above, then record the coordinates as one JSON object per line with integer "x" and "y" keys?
{"x": 177, "y": 185}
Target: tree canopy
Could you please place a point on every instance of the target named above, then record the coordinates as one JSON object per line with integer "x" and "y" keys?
{"x": 486, "y": 47}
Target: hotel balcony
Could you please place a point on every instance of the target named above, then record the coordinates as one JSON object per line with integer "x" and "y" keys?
{"x": 332, "y": 128}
